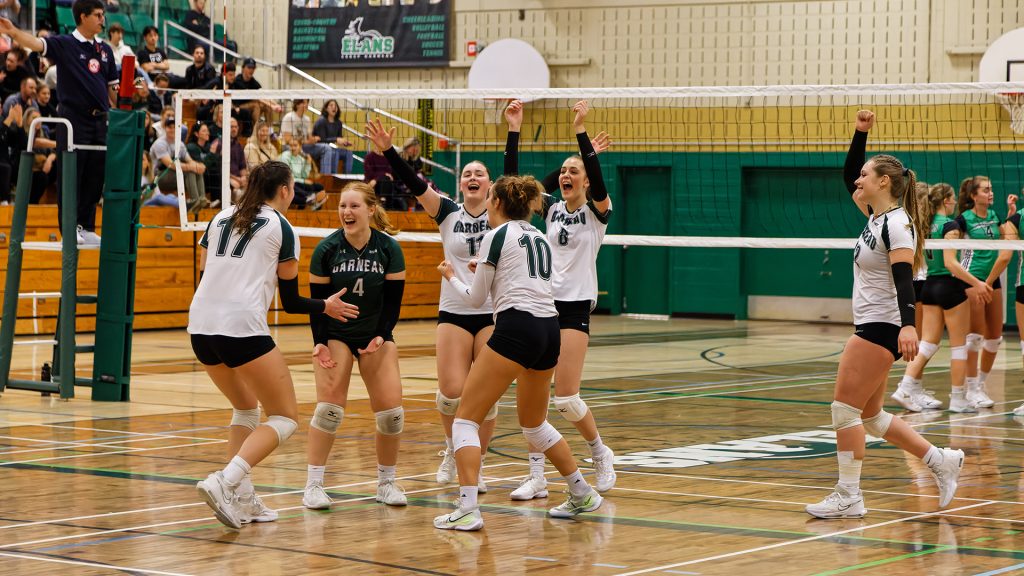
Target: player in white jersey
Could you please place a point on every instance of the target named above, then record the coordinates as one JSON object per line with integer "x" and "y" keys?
{"x": 515, "y": 271}
{"x": 575, "y": 228}
{"x": 247, "y": 252}
{"x": 883, "y": 313}
{"x": 462, "y": 330}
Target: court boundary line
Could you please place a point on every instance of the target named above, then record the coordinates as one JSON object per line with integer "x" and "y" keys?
{"x": 29, "y": 556}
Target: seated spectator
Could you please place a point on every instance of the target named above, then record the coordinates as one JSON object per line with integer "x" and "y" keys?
{"x": 44, "y": 101}
{"x": 152, "y": 195}
{"x": 260, "y": 149}
{"x": 225, "y": 79}
{"x": 297, "y": 122}
{"x": 26, "y": 96}
{"x": 115, "y": 37}
{"x": 150, "y": 132}
{"x": 199, "y": 74}
{"x": 140, "y": 98}
{"x": 160, "y": 96}
{"x": 163, "y": 160}
{"x": 207, "y": 152}
{"x": 44, "y": 148}
{"x": 255, "y": 109}
{"x": 329, "y": 130}
{"x": 159, "y": 126}
{"x": 411, "y": 154}
{"x": 217, "y": 122}
{"x": 9, "y": 129}
{"x": 308, "y": 192}
{"x": 239, "y": 169}
{"x": 198, "y": 22}
{"x": 111, "y": 6}
{"x": 14, "y": 74}
{"x": 377, "y": 173}
{"x": 154, "y": 61}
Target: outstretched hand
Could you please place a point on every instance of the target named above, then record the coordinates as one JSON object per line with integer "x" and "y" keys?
{"x": 382, "y": 139}
{"x": 580, "y": 109}
{"x": 865, "y": 120}
{"x": 376, "y": 344}
{"x": 322, "y": 356}
{"x": 514, "y": 115}
{"x": 338, "y": 309}
{"x": 601, "y": 142}
{"x": 6, "y": 26}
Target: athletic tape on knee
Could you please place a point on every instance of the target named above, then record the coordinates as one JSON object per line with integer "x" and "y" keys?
{"x": 844, "y": 416}
{"x": 974, "y": 342}
{"x": 327, "y": 417}
{"x": 927, "y": 349}
{"x": 284, "y": 427}
{"x": 465, "y": 433}
{"x": 492, "y": 413}
{"x": 572, "y": 408}
{"x": 878, "y": 424}
{"x": 992, "y": 346}
{"x": 247, "y": 418}
{"x": 445, "y": 405}
{"x": 958, "y": 353}
{"x": 391, "y": 421}
{"x": 542, "y": 437}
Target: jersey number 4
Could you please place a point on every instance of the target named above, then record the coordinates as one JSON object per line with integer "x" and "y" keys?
{"x": 243, "y": 241}
{"x": 538, "y": 256}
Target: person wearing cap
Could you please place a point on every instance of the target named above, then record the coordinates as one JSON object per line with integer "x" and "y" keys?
{"x": 162, "y": 156}
{"x": 255, "y": 109}
{"x": 115, "y": 37}
{"x": 87, "y": 81}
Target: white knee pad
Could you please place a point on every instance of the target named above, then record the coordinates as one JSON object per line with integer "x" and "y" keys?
{"x": 974, "y": 342}
{"x": 844, "y": 416}
{"x": 327, "y": 417}
{"x": 543, "y": 437}
{"x": 958, "y": 353}
{"x": 992, "y": 346}
{"x": 465, "y": 433}
{"x": 878, "y": 424}
{"x": 492, "y": 413}
{"x": 927, "y": 349}
{"x": 391, "y": 421}
{"x": 572, "y": 408}
{"x": 446, "y": 405}
{"x": 248, "y": 418}
{"x": 284, "y": 427}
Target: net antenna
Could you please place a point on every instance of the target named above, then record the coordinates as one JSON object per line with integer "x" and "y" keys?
{"x": 1004, "y": 62}
{"x": 507, "y": 64}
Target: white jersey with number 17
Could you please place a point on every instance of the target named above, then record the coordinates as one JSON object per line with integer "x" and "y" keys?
{"x": 461, "y": 236}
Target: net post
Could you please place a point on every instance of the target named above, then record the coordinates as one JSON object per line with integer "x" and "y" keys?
{"x": 64, "y": 365}
{"x": 14, "y": 257}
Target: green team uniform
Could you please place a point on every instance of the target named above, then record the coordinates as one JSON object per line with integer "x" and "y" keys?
{"x": 979, "y": 262}
{"x": 941, "y": 225}
{"x": 362, "y": 273}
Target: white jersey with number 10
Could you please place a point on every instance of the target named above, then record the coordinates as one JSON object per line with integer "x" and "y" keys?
{"x": 522, "y": 263}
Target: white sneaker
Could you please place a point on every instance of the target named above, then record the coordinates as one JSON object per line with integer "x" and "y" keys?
{"x": 947, "y": 473}
{"x": 905, "y": 398}
{"x": 251, "y": 509}
{"x": 89, "y": 238}
{"x": 531, "y": 487}
{"x": 926, "y": 399}
{"x": 604, "y": 468}
{"x": 390, "y": 493}
{"x": 960, "y": 405}
{"x": 315, "y": 497}
{"x": 1019, "y": 410}
{"x": 78, "y": 236}
{"x": 977, "y": 396}
{"x": 447, "y": 471}
{"x": 838, "y": 504}
{"x": 572, "y": 506}
{"x": 460, "y": 520}
{"x": 220, "y": 498}
{"x": 481, "y": 486}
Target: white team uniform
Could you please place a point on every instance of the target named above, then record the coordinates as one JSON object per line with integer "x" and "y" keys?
{"x": 241, "y": 276}
{"x": 461, "y": 237}
{"x": 575, "y": 239}
{"x": 874, "y": 292}
{"x": 515, "y": 272}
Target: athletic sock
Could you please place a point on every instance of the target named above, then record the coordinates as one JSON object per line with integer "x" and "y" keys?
{"x": 467, "y": 497}
{"x": 577, "y": 485}
{"x": 245, "y": 486}
{"x": 385, "y": 472}
{"x": 236, "y": 470}
{"x": 849, "y": 472}
{"x": 933, "y": 457}
{"x": 448, "y": 443}
{"x": 597, "y": 447}
{"x": 315, "y": 475}
{"x": 537, "y": 464}
{"x": 982, "y": 377}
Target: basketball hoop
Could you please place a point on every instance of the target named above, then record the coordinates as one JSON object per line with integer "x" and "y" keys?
{"x": 494, "y": 111}
{"x": 1014, "y": 104}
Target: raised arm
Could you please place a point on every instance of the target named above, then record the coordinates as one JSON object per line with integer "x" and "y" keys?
{"x": 20, "y": 36}
{"x": 856, "y": 155}
{"x": 514, "y": 117}
{"x": 383, "y": 139}
{"x": 598, "y": 191}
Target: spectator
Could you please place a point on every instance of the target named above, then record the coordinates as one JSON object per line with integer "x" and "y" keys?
{"x": 150, "y": 132}
{"x": 217, "y": 122}
{"x": 411, "y": 154}
{"x": 206, "y": 151}
{"x": 8, "y": 135}
{"x": 154, "y": 61}
{"x": 329, "y": 130}
{"x": 151, "y": 193}
{"x": 161, "y": 156}
{"x": 307, "y": 191}
{"x": 297, "y": 122}
{"x": 44, "y": 100}
{"x": 199, "y": 73}
{"x": 377, "y": 173}
{"x": 260, "y": 149}
{"x": 44, "y": 156}
{"x": 115, "y": 37}
{"x": 86, "y": 81}
{"x": 255, "y": 109}
{"x": 15, "y": 73}
{"x": 239, "y": 170}
{"x": 160, "y": 96}
{"x": 26, "y": 96}
{"x": 198, "y": 22}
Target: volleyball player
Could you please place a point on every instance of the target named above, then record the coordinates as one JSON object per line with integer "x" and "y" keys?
{"x": 253, "y": 250}
{"x": 515, "y": 270}
{"x": 576, "y": 227}
{"x": 921, "y": 274}
{"x": 1011, "y": 231}
{"x": 945, "y": 304}
{"x": 883, "y": 312}
{"x": 980, "y": 222}
{"x": 462, "y": 330}
{"x": 362, "y": 258}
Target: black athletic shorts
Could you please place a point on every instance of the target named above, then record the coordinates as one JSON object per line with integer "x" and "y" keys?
{"x": 882, "y": 333}
{"x": 472, "y": 323}
{"x": 574, "y": 315}
{"x": 918, "y": 289}
{"x": 354, "y": 345}
{"x": 527, "y": 340}
{"x": 945, "y": 291}
{"x": 231, "y": 351}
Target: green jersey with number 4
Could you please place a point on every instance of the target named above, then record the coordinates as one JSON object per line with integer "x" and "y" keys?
{"x": 979, "y": 262}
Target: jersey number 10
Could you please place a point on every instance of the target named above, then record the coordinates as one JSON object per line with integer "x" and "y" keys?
{"x": 538, "y": 256}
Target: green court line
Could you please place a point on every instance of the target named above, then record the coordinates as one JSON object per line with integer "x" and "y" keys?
{"x": 884, "y": 561}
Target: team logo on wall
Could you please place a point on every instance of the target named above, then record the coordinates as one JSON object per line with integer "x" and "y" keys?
{"x": 359, "y": 43}
{"x": 810, "y": 444}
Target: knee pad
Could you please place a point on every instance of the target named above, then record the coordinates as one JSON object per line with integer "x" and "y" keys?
{"x": 390, "y": 422}
{"x": 445, "y": 405}
{"x": 974, "y": 342}
{"x": 247, "y": 418}
{"x": 327, "y": 417}
{"x": 958, "y": 353}
{"x": 572, "y": 408}
{"x": 284, "y": 427}
{"x": 492, "y": 413}
{"x": 992, "y": 346}
{"x": 927, "y": 349}
{"x": 878, "y": 424}
{"x": 844, "y": 416}
{"x": 543, "y": 437}
{"x": 465, "y": 433}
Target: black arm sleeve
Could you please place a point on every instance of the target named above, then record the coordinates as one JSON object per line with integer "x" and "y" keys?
{"x": 405, "y": 172}
{"x": 903, "y": 278}
{"x": 855, "y": 160}
{"x": 598, "y": 192}
{"x": 318, "y": 321}
{"x": 511, "y": 154}
{"x": 392, "y": 300}
{"x": 550, "y": 182}
{"x": 292, "y": 302}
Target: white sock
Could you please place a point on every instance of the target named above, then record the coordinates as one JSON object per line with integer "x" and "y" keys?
{"x": 385, "y": 472}
{"x": 1022, "y": 347}
{"x": 971, "y": 381}
{"x": 597, "y": 447}
{"x": 909, "y": 383}
{"x": 933, "y": 457}
{"x": 849, "y": 472}
{"x": 982, "y": 377}
{"x": 577, "y": 485}
{"x": 957, "y": 392}
{"x": 537, "y": 464}
{"x": 315, "y": 475}
{"x": 245, "y": 486}
{"x": 448, "y": 443}
{"x": 236, "y": 470}
{"x": 467, "y": 497}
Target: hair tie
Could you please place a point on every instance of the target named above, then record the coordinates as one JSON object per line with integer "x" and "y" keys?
{"x": 906, "y": 172}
